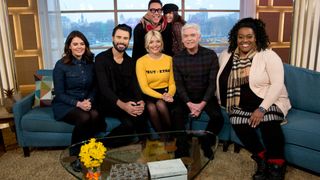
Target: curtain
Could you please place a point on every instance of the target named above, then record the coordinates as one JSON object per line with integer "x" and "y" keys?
{"x": 7, "y": 70}
{"x": 51, "y": 32}
{"x": 305, "y": 44}
{"x": 247, "y": 8}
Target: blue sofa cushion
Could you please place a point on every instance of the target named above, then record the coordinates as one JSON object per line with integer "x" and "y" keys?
{"x": 201, "y": 123}
{"x": 40, "y": 119}
{"x": 45, "y": 72}
{"x": 112, "y": 123}
{"x": 302, "y": 129}
{"x": 303, "y": 87}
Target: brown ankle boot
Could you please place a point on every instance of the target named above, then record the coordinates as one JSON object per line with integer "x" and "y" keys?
{"x": 262, "y": 168}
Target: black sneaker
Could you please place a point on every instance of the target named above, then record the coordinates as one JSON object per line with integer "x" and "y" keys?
{"x": 76, "y": 165}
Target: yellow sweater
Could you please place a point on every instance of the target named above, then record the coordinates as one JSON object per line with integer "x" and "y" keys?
{"x": 155, "y": 74}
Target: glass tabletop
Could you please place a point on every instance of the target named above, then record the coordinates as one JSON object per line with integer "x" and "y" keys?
{"x": 128, "y": 153}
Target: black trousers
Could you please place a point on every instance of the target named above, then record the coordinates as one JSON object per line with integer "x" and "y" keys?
{"x": 181, "y": 112}
{"x": 87, "y": 125}
{"x": 129, "y": 124}
{"x": 272, "y": 137}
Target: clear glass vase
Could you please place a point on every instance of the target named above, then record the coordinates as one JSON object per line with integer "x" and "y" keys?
{"x": 93, "y": 174}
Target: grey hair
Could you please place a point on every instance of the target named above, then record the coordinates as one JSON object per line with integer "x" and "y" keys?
{"x": 191, "y": 25}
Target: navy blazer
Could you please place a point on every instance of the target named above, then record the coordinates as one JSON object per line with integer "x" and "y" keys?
{"x": 72, "y": 83}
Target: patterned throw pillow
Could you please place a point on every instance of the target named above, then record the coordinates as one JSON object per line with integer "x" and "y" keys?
{"x": 44, "y": 90}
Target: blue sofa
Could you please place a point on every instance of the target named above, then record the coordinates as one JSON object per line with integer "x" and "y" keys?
{"x": 302, "y": 131}
{"x": 36, "y": 127}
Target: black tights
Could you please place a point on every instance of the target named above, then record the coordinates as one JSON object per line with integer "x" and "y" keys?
{"x": 87, "y": 124}
{"x": 271, "y": 134}
{"x": 159, "y": 115}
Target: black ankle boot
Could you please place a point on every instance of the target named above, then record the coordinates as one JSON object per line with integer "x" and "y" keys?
{"x": 262, "y": 168}
{"x": 277, "y": 172}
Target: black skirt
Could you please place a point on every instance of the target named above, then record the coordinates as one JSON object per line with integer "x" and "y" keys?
{"x": 152, "y": 99}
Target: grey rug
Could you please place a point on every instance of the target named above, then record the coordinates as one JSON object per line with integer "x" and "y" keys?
{"x": 44, "y": 164}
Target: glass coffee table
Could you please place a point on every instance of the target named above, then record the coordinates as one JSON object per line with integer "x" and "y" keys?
{"x": 139, "y": 149}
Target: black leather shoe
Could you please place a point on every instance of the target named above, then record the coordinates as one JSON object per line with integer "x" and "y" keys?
{"x": 262, "y": 168}
{"x": 277, "y": 172}
{"x": 208, "y": 153}
{"x": 182, "y": 147}
{"x": 76, "y": 165}
{"x": 206, "y": 143}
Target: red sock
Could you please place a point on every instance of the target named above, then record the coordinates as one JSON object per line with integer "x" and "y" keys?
{"x": 279, "y": 162}
{"x": 262, "y": 154}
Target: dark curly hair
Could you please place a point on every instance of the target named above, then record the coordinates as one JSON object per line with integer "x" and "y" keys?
{"x": 258, "y": 27}
{"x": 123, "y": 27}
{"x": 67, "y": 55}
{"x": 154, "y": 1}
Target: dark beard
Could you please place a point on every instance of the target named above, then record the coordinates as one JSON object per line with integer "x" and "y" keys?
{"x": 119, "y": 50}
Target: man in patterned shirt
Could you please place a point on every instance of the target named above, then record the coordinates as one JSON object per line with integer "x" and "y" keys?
{"x": 195, "y": 69}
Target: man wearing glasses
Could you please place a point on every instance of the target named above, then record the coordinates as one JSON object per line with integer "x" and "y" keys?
{"x": 153, "y": 20}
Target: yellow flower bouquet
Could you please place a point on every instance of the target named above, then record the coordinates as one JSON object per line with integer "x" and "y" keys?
{"x": 92, "y": 155}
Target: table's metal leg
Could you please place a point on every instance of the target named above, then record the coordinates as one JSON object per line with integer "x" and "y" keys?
{"x": 2, "y": 145}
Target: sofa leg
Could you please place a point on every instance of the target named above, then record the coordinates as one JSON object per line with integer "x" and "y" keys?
{"x": 225, "y": 146}
{"x": 26, "y": 151}
{"x": 237, "y": 148}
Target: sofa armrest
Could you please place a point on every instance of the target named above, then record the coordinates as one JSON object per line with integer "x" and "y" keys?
{"x": 20, "y": 108}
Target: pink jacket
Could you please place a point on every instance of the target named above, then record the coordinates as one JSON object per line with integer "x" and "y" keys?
{"x": 266, "y": 79}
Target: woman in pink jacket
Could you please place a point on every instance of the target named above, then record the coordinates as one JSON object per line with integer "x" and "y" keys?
{"x": 250, "y": 85}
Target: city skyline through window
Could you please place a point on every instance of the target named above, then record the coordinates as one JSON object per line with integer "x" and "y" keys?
{"x": 96, "y": 19}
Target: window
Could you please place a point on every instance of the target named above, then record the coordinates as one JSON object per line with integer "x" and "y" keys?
{"x": 96, "y": 19}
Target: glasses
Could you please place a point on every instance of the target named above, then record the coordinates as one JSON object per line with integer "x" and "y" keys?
{"x": 152, "y": 10}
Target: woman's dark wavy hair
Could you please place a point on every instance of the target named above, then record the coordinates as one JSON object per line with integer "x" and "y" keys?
{"x": 258, "y": 27}
{"x": 178, "y": 18}
{"x": 67, "y": 55}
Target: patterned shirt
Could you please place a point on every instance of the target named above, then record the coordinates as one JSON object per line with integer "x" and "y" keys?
{"x": 195, "y": 75}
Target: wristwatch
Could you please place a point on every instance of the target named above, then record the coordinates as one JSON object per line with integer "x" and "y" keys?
{"x": 261, "y": 109}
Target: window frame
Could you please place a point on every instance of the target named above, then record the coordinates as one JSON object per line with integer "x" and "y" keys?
{"x": 243, "y": 11}
{"x": 182, "y": 12}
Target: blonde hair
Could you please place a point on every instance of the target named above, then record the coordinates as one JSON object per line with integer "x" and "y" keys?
{"x": 149, "y": 35}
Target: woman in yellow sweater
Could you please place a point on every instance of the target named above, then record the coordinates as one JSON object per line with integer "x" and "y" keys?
{"x": 155, "y": 77}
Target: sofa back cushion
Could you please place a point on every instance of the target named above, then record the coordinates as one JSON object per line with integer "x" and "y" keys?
{"x": 45, "y": 72}
{"x": 303, "y": 86}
